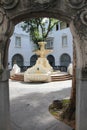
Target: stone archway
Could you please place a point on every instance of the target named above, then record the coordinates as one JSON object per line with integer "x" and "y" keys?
{"x": 71, "y": 11}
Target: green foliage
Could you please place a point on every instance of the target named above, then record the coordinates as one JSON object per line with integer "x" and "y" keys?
{"x": 38, "y": 28}
{"x": 65, "y": 101}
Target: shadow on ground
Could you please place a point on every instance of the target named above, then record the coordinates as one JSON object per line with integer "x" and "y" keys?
{"x": 30, "y": 111}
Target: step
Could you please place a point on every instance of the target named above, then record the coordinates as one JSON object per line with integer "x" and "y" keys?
{"x": 20, "y": 77}
{"x": 61, "y": 77}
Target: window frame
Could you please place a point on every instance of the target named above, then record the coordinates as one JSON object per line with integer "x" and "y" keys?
{"x": 64, "y": 37}
{"x": 50, "y": 41}
{"x": 18, "y": 41}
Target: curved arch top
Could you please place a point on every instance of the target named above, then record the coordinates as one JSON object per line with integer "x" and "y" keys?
{"x": 19, "y": 10}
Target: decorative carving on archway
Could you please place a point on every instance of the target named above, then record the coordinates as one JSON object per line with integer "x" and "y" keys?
{"x": 83, "y": 16}
{"x": 80, "y": 18}
{"x": 42, "y": 1}
{"x": 77, "y": 4}
{"x": 80, "y": 22}
{"x": 43, "y": 4}
{"x": 9, "y": 4}
{"x": 6, "y": 29}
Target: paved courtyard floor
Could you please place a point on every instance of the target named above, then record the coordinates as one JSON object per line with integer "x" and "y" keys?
{"x": 29, "y": 104}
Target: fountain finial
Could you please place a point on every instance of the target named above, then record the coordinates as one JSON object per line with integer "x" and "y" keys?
{"x": 42, "y": 52}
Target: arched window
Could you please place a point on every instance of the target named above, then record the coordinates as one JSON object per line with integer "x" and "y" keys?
{"x": 18, "y": 59}
{"x": 65, "y": 60}
{"x": 33, "y": 60}
{"x": 51, "y": 60}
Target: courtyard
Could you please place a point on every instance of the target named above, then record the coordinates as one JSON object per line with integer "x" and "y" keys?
{"x": 11, "y": 13}
{"x": 29, "y": 104}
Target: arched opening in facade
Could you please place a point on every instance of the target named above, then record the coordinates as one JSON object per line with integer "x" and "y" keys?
{"x": 18, "y": 59}
{"x": 65, "y": 60}
{"x": 51, "y": 60}
{"x": 33, "y": 60}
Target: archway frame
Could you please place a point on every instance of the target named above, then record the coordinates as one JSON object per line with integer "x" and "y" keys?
{"x": 70, "y": 11}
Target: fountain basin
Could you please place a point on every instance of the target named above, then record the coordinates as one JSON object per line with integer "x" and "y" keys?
{"x": 37, "y": 78}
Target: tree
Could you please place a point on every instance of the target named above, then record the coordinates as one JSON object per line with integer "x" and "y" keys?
{"x": 39, "y": 28}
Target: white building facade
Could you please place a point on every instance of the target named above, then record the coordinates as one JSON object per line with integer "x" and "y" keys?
{"x": 59, "y": 40}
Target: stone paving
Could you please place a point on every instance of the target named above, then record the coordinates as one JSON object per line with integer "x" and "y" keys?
{"x": 29, "y": 104}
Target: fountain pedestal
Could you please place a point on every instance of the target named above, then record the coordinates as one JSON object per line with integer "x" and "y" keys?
{"x": 41, "y": 71}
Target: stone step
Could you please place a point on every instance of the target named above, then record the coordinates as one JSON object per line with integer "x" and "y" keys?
{"x": 20, "y": 77}
{"x": 61, "y": 77}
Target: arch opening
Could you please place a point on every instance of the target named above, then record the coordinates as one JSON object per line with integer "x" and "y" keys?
{"x": 18, "y": 59}
{"x": 65, "y": 60}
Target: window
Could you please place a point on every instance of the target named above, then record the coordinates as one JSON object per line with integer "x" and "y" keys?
{"x": 17, "y": 41}
{"x": 49, "y": 44}
{"x": 18, "y": 59}
{"x": 65, "y": 60}
{"x": 64, "y": 41}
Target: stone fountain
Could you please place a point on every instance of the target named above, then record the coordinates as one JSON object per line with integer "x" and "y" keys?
{"x": 41, "y": 71}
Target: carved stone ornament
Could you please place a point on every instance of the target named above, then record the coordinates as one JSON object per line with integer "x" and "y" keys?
{"x": 80, "y": 22}
{"x": 3, "y": 22}
{"x": 9, "y": 4}
{"x": 77, "y": 4}
{"x": 6, "y": 29}
{"x": 83, "y": 17}
{"x": 41, "y": 1}
{"x": 1, "y": 17}
{"x": 43, "y": 4}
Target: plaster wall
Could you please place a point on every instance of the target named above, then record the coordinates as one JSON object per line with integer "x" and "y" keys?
{"x": 26, "y": 49}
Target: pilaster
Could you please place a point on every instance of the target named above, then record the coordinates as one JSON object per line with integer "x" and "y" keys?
{"x": 4, "y": 101}
{"x": 6, "y": 29}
